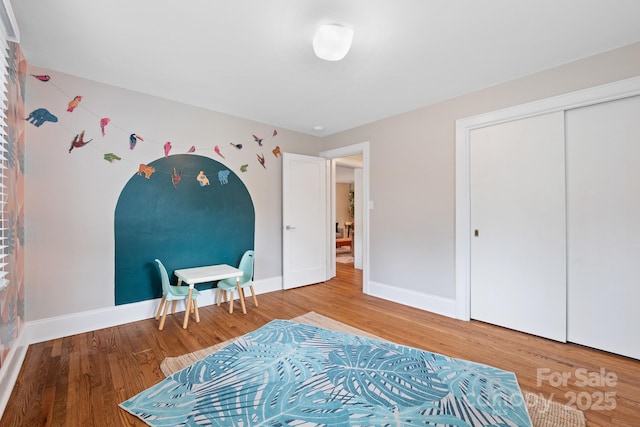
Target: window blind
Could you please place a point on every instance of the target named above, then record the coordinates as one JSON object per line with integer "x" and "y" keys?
{"x": 5, "y": 220}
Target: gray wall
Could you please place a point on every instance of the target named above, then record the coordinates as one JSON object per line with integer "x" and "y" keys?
{"x": 412, "y": 170}
{"x": 70, "y": 198}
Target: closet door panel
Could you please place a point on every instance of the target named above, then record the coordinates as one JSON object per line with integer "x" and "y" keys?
{"x": 518, "y": 242}
{"x": 603, "y": 217}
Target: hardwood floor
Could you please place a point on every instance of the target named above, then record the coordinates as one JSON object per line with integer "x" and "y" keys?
{"x": 79, "y": 380}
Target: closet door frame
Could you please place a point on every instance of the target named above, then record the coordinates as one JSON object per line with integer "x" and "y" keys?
{"x": 608, "y": 92}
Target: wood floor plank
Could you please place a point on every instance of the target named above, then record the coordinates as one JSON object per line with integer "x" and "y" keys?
{"x": 80, "y": 380}
{"x": 29, "y": 410}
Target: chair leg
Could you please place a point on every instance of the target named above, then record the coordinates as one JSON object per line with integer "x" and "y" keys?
{"x": 219, "y": 297}
{"x": 173, "y": 308}
{"x": 194, "y": 304}
{"x": 230, "y": 296}
{"x": 253, "y": 294}
{"x": 164, "y": 314}
{"x": 241, "y": 294}
{"x": 160, "y": 307}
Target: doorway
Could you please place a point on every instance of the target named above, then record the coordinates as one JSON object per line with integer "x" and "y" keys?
{"x": 355, "y": 157}
{"x": 348, "y": 189}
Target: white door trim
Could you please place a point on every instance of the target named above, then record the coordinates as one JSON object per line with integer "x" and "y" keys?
{"x": 350, "y": 150}
{"x": 596, "y": 95}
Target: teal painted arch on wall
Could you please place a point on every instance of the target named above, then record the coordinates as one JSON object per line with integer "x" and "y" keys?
{"x": 188, "y": 225}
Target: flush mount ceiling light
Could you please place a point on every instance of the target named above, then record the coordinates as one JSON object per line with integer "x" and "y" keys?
{"x": 332, "y": 42}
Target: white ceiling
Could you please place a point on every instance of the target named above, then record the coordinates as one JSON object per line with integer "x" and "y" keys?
{"x": 253, "y": 58}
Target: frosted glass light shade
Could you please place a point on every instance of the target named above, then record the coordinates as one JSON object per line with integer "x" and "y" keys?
{"x": 332, "y": 42}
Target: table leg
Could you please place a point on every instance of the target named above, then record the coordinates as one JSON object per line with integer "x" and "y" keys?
{"x": 187, "y": 312}
{"x": 241, "y": 294}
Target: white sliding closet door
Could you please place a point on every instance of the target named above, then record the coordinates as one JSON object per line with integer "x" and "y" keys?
{"x": 518, "y": 241}
{"x": 603, "y": 211}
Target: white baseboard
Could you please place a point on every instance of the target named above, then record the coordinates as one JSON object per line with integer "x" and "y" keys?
{"x": 76, "y": 323}
{"x": 11, "y": 369}
{"x": 431, "y": 303}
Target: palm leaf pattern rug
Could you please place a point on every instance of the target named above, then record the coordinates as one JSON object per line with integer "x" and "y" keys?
{"x": 290, "y": 374}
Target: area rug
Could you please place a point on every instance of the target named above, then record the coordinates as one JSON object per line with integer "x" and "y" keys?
{"x": 543, "y": 412}
{"x": 344, "y": 259}
{"x": 290, "y": 373}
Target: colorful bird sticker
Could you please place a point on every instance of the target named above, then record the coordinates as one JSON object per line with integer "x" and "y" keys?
{"x": 275, "y": 132}
{"x": 133, "y": 139}
{"x": 110, "y": 157}
{"x": 258, "y": 140}
{"x": 217, "y": 150}
{"x": 42, "y": 77}
{"x": 244, "y": 167}
{"x": 261, "y": 159}
{"x": 192, "y": 149}
{"x": 104, "y": 122}
{"x": 74, "y": 103}
{"x": 276, "y": 151}
{"x": 167, "y": 148}
{"x": 202, "y": 179}
{"x": 238, "y": 146}
{"x": 78, "y": 141}
{"x": 175, "y": 178}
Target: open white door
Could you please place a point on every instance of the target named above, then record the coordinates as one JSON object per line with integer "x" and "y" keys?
{"x": 304, "y": 220}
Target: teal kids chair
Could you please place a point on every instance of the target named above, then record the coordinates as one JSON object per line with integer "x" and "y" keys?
{"x": 246, "y": 280}
{"x": 173, "y": 294}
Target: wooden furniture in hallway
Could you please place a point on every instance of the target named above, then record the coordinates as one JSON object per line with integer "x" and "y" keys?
{"x": 343, "y": 241}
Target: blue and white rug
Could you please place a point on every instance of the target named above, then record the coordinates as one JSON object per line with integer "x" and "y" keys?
{"x": 291, "y": 374}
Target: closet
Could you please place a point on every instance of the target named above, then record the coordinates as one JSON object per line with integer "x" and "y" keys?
{"x": 517, "y": 216}
{"x": 554, "y": 224}
{"x": 603, "y": 226}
